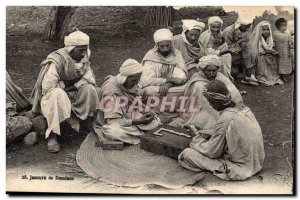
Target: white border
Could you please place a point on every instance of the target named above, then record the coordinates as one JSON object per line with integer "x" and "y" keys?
{"x": 5, "y": 3}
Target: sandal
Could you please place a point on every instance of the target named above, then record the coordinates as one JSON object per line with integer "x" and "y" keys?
{"x": 249, "y": 83}
{"x": 243, "y": 92}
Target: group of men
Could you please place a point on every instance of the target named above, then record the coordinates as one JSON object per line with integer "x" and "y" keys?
{"x": 191, "y": 64}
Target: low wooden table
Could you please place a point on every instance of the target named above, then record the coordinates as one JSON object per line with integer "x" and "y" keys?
{"x": 165, "y": 142}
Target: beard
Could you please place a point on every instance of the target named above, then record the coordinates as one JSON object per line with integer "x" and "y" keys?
{"x": 165, "y": 53}
{"x": 134, "y": 89}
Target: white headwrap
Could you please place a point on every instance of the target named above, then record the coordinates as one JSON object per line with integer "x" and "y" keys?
{"x": 162, "y": 34}
{"x": 76, "y": 38}
{"x": 128, "y": 68}
{"x": 215, "y": 19}
{"x": 242, "y": 21}
{"x": 209, "y": 60}
{"x": 206, "y": 35}
{"x": 267, "y": 44}
{"x": 189, "y": 24}
{"x": 257, "y": 43}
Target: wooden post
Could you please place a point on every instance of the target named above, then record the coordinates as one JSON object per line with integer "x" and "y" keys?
{"x": 161, "y": 16}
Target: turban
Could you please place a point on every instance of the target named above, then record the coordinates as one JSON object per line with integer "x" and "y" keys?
{"x": 209, "y": 60}
{"x": 215, "y": 19}
{"x": 243, "y": 21}
{"x": 188, "y": 25}
{"x": 76, "y": 38}
{"x": 162, "y": 34}
{"x": 217, "y": 91}
{"x": 128, "y": 68}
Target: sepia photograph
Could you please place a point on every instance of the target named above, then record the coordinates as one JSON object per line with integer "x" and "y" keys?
{"x": 150, "y": 100}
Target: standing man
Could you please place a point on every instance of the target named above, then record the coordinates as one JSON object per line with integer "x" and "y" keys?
{"x": 282, "y": 41}
{"x": 66, "y": 84}
{"x": 237, "y": 36}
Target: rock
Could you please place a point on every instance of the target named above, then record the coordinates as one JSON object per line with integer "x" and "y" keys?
{"x": 39, "y": 124}
{"x": 17, "y": 126}
{"x": 31, "y": 138}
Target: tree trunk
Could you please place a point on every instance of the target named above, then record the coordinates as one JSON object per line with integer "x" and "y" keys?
{"x": 57, "y": 25}
{"x": 160, "y": 16}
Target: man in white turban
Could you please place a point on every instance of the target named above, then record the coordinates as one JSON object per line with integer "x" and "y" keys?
{"x": 122, "y": 115}
{"x": 164, "y": 69}
{"x": 237, "y": 36}
{"x": 235, "y": 150}
{"x": 213, "y": 42}
{"x": 204, "y": 117}
{"x": 187, "y": 43}
{"x": 65, "y": 88}
{"x": 214, "y": 28}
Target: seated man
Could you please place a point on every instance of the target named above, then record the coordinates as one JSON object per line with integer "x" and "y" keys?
{"x": 219, "y": 47}
{"x": 126, "y": 120}
{"x": 235, "y": 151}
{"x": 202, "y": 115}
{"x": 187, "y": 43}
{"x": 66, "y": 83}
{"x": 163, "y": 67}
{"x": 215, "y": 24}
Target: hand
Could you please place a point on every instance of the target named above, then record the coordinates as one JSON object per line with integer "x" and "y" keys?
{"x": 176, "y": 81}
{"x": 191, "y": 128}
{"x": 227, "y": 51}
{"x": 70, "y": 88}
{"x": 146, "y": 119}
{"x": 234, "y": 50}
{"x": 274, "y": 52}
{"x": 262, "y": 53}
{"x": 163, "y": 90}
{"x": 245, "y": 39}
{"x": 62, "y": 85}
{"x": 271, "y": 52}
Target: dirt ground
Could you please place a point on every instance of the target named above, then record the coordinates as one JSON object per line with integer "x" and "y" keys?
{"x": 272, "y": 106}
